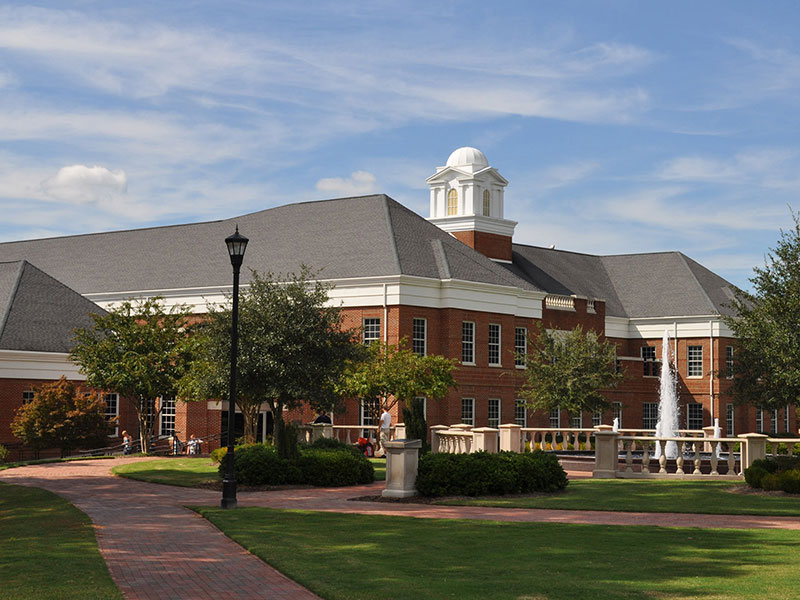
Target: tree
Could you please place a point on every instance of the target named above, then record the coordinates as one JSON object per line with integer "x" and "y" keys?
{"x": 59, "y": 416}
{"x": 139, "y": 350}
{"x": 766, "y": 351}
{"x": 393, "y": 373}
{"x": 292, "y": 349}
{"x": 569, "y": 370}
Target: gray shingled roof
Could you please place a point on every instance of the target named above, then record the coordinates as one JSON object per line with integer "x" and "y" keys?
{"x": 633, "y": 285}
{"x": 37, "y": 312}
{"x": 344, "y": 238}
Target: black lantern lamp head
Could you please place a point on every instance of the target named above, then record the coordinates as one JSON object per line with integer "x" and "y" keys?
{"x": 237, "y": 244}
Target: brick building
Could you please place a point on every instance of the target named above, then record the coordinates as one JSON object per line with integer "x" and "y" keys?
{"x": 454, "y": 284}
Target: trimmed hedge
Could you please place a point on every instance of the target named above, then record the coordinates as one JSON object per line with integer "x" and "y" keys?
{"x": 259, "y": 464}
{"x": 781, "y": 473}
{"x": 482, "y": 474}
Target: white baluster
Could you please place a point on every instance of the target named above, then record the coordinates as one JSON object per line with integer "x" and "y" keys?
{"x": 645, "y": 457}
{"x": 628, "y": 456}
{"x": 679, "y": 461}
{"x": 714, "y": 448}
{"x": 696, "y": 459}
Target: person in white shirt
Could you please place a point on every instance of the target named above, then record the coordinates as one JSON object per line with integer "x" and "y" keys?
{"x": 385, "y": 424}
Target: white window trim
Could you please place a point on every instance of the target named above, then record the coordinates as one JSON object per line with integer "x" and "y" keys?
{"x": 499, "y": 412}
{"x": 424, "y": 337}
{"x": 472, "y": 420}
{"x": 644, "y": 360}
{"x": 730, "y": 423}
{"x": 499, "y": 362}
{"x": 162, "y": 414}
{"x": 364, "y": 339}
{"x": 616, "y": 411}
{"x": 463, "y": 362}
{"x": 524, "y": 347}
{"x": 689, "y": 362}
{"x": 726, "y": 361}
{"x": 115, "y": 414}
{"x": 550, "y": 417}
{"x": 524, "y": 411}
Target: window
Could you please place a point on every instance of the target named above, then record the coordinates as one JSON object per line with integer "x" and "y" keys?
{"x": 577, "y": 422}
{"x": 729, "y": 362}
{"x": 694, "y": 415}
{"x": 597, "y": 418}
{"x": 366, "y": 409}
{"x": 468, "y": 411}
{"x": 618, "y": 413}
{"x": 168, "y": 416}
{"x": 555, "y": 417}
{"x": 520, "y": 346}
{"x": 494, "y": 412}
{"x": 649, "y": 415}
{"x": 149, "y": 411}
{"x": 695, "y": 363}
{"x": 112, "y": 410}
{"x": 729, "y": 420}
{"x": 486, "y": 203}
{"x": 372, "y": 330}
{"x": 27, "y": 396}
{"x": 520, "y": 413}
{"x": 419, "y": 338}
{"x": 651, "y": 367}
{"x": 468, "y": 343}
{"x": 786, "y": 419}
{"x": 759, "y": 420}
{"x": 494, "y": 344}
{"x": 424, "y": 405}
{"x": 774, "y": 421}
{"x": 452, "y": 203}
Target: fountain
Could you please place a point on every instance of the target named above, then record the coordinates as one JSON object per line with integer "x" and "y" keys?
{"x": 667, "y": 425}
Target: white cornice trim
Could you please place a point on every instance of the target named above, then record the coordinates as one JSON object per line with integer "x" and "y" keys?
{"x": 475, "y": 223}
{"x": 684, "y": 326}
{"x": 24, "y": 364}
{"x": 369, "y": 291}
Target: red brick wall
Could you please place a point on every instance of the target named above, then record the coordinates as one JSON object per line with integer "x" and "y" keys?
{"x": 490, "y": 244}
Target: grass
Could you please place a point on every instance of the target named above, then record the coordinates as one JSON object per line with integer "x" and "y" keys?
{"x": 342, "y": 556}
{"x": 42, "y": 461}
{"x": 183, "y": 472}
{"x": 628, "y": 495}
{"x": 194, "y": 472}
{"x": 49, "y": 549}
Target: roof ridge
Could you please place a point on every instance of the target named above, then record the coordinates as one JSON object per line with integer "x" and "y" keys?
{"x": 684, "y": 260}
{"x": 12, "y": 295}
{"x": 390, "y": 228}
{"x": 441, "y": 259}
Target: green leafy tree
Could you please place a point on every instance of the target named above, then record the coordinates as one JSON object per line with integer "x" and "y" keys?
{"x": 139, "y": 350}
{"x": 292, "y": 349}
{"x": 767, "y": 347}
{"x": 569, "y": 370}
{"x": 59, "y": 416}
{"x": 394, "y": 373}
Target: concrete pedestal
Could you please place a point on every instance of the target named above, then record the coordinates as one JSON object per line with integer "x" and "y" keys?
{"x": 484, "y": 438}
{"x": 511, "y": 437}
{"x": 402, "y": 459}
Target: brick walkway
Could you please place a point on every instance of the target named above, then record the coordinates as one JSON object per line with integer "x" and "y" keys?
{"x": 158, "y": 550}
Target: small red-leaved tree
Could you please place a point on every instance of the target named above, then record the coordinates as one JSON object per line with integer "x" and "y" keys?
{"x": 61, "y": 416}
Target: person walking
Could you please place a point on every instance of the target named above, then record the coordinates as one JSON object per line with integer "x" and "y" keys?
{"x": 385, "y": 427}
{"x": 127, "y": 445}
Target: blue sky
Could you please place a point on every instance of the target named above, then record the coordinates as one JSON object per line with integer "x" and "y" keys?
{"x": 622, "y": 126}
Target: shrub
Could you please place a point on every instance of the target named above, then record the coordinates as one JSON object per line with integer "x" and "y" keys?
{"x": 219, "y": 454}
{"x": 789, "y": 481}
{"x": 754, "y": 475}
{"x": 335, "y": 445}
{"x": 481, "y": 474}
{"x": 334, "y": 468}
{"x": 3, "y": 454}
{"x": 258, "y": 464}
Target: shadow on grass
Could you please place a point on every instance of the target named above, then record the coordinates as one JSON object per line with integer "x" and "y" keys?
{"x": 353, "y": 556}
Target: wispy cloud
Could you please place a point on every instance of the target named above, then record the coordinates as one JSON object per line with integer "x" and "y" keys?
{"x": 358, "y": 184}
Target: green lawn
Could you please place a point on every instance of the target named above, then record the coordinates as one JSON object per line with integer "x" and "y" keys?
{"x": 342, "y": 556}
{"x": 194, "y": 472}
{"x": 184, "y": 472}
{"x": 49, "y": 549}
{"x": 708, "y": 497}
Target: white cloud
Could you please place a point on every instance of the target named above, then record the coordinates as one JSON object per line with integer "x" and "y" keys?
{"x": 79, "y": 184}
{"x": 359, "y": 183}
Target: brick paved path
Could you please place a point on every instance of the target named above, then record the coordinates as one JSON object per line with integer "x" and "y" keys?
{"x": 156, "y": 549}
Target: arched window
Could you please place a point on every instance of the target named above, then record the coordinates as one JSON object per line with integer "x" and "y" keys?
{"x": 485, "y": 203}
{"x": 452, "y": 202}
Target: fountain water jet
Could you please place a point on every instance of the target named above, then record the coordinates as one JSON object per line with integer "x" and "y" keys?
{"x": 667, "y": 425}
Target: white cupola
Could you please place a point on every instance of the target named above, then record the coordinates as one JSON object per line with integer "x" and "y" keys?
{"x": 467, "y": 198}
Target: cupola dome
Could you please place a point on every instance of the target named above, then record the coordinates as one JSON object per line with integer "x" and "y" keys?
{"x": 467, "y": 157}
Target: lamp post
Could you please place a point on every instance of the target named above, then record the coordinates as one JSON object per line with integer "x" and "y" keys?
{"x": 237, "y": 244}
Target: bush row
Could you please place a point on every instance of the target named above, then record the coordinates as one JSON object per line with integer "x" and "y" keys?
{"x": 481, "y": 474}
{"x": 319, "y": 464}
{"x": 781, "y": 473}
